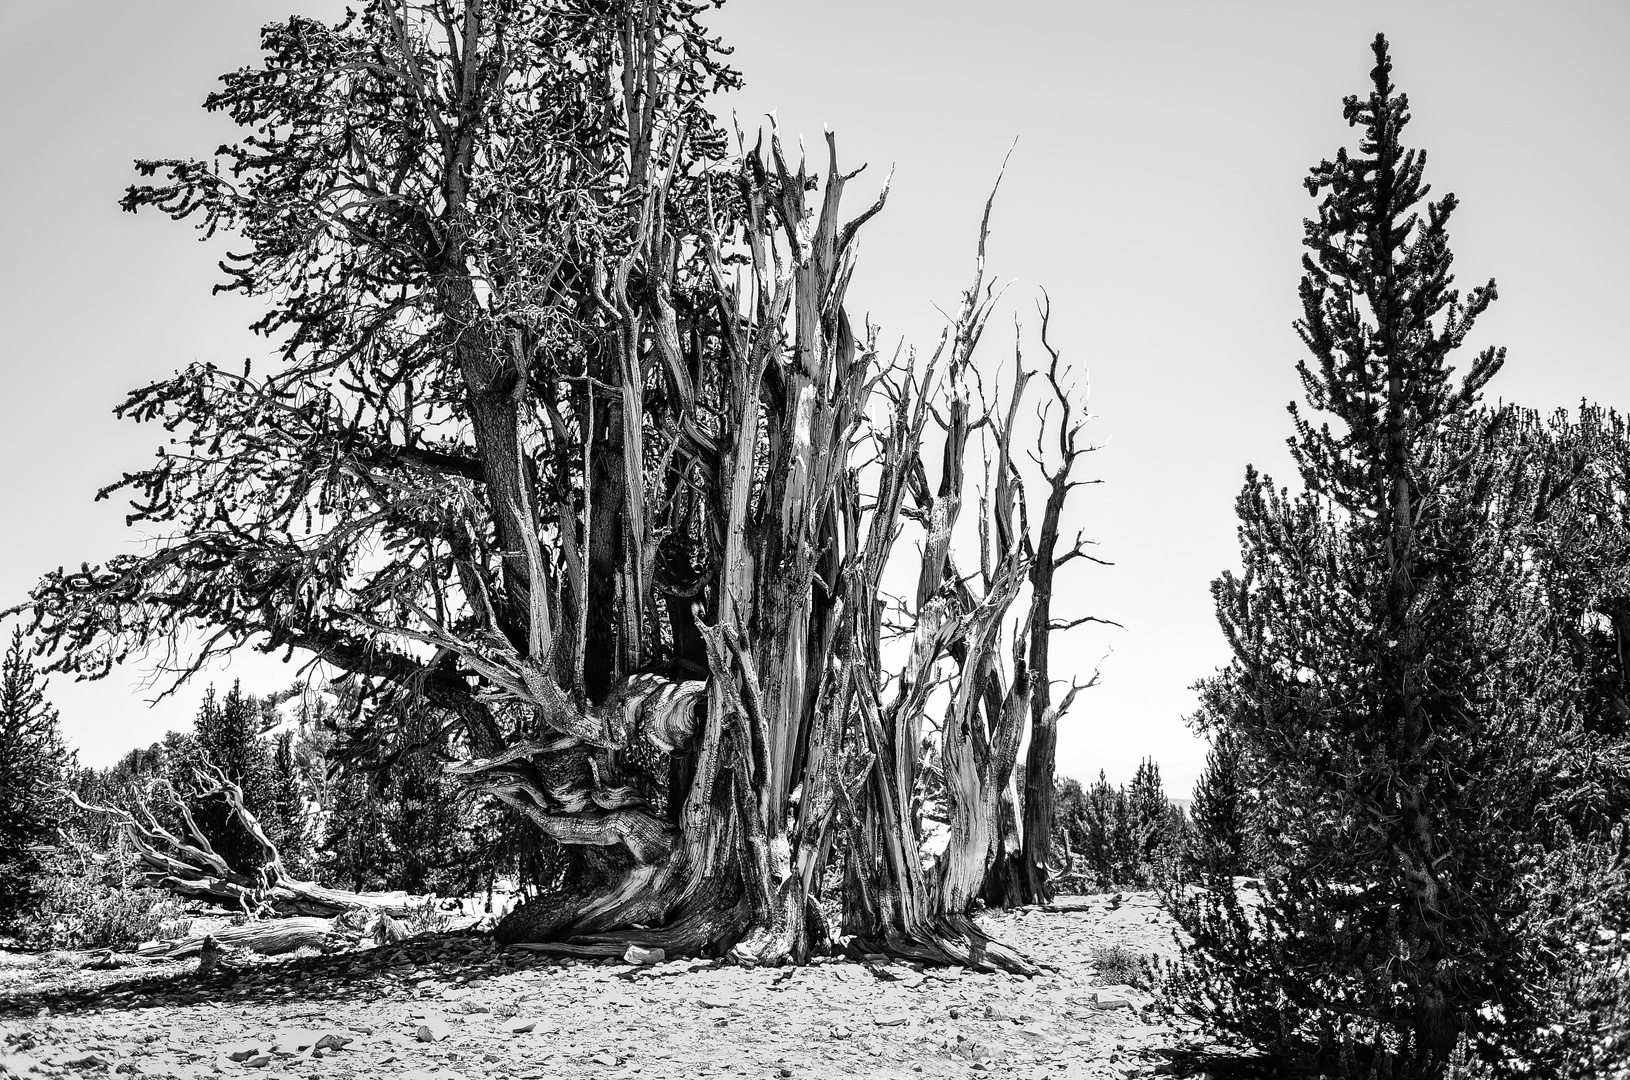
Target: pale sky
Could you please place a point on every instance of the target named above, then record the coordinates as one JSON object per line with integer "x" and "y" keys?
{"x": 1155, "y": 192}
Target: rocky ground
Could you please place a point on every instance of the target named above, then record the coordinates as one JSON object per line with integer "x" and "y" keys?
{"x": 456, "y": 1006}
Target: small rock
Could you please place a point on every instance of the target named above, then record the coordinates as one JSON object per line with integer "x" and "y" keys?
{"x": 241, "y": 1051}
{"x": 891, "y": 1019}
{"x": 293, "y": 1041}
{"x": 643, "y": 957}
{"x": 841, "y": 1032}
{"x": 521, "y": 1027}
{"x": 605, "y": 1059}
{"x": 432, "y": 1029}
{"x": 713, "y": 1001}
{"x": 333, "y": 1041}
{"x": 1037, "y": 1034}
{"x": 259, "y": 1061}
{"x": 209, "y": 955}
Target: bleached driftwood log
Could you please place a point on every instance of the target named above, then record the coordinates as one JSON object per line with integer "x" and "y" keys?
{"x": 189, "y": 865}
{"x": 272, "y": 938}
{"x": 275, "y": 937}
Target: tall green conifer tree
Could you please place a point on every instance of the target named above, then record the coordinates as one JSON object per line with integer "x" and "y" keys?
{"x": 287, "y": 822}
{"x": 33, "y": 764}
{"x": 228, "y": 738}
{"x": 1378, "y": 687}
{"x": 1221, "y": 812}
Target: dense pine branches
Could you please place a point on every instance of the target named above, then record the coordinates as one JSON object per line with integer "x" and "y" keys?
{"x": 33, "y": 764}
{"x": 1222, "y": 813}
{"x": 1407, "y": 660}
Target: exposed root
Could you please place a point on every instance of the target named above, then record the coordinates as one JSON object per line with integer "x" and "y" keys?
{"x": 954, "y": 941}
{"x": 786, "y": 937}
{"x": 652, "y": 907}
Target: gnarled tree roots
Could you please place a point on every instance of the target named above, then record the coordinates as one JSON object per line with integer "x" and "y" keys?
{"x": 715, "y": 921}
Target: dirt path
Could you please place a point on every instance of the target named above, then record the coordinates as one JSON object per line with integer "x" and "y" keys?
{"x": 494, "y": 1014}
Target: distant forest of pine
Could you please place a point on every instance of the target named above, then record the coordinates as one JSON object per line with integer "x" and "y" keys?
{"x": 412, "y": 828}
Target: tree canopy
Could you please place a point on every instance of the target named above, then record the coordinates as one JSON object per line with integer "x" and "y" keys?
{"x": 571, "y": 459}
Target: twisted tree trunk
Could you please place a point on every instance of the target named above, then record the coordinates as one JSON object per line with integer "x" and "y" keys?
{"x": 792, "y": 745}
{"x": 636, "y": 481}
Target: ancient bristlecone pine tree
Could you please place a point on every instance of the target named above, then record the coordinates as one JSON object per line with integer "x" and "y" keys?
{"x": 572, "y": 448}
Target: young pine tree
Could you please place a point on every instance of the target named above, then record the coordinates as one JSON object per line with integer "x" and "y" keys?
{"x": 1155, "y": 822}
{"x": 1221, "y": 813}
{"x": 1107, "y": 840}
{"x": 286, "y": 820}
{"x": 33, "y": 765}
{"x": 430, "y": 829}
{"x": 227, "y": 731}
{"x": 356, "y": 850}
{"x": 1376, "y": 686}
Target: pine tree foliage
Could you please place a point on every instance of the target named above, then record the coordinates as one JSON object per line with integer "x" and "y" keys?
{"x": 1108, "y": 827}
{"x": 1221, "y": 813}
{"x": 286, "y": 815}
{"x": 226, "y": 736}
{"x": 1398, "y": 689}
{"x": 1126, "y": 836}
{"x": 355, "y": 853}
{"x": 33, "y": 764}
{"x": 1159, "y": 828}
{"x": 1575, "y": 472}
{"x": 405, "y": 827}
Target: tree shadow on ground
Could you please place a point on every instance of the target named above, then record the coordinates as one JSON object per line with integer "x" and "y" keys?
{"x": 1224, "y": 1063}
{"x": 270, "y": 982}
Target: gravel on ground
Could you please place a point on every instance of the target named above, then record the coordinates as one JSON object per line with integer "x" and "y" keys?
{"x": 456, "y": 1006}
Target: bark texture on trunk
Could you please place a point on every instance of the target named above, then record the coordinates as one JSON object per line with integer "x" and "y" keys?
{"x": 576, "y": 453}
{"x": 799, "y": 742}
{"x": 267, "y": 938}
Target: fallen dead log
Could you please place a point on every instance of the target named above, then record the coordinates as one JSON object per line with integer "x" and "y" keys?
{"x": 276, "y": 937}
{"x": 271, "y": 938}
{"x": 189, "y": 866}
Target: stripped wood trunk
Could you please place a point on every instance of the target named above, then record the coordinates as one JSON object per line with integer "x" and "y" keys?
{"x": 650, "y": 602}
{"x": 267, "y": 938}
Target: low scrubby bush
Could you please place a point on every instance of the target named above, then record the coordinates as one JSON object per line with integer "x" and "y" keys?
{"x": 90, "y": 904}
{"x": 1118, "y": 965}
